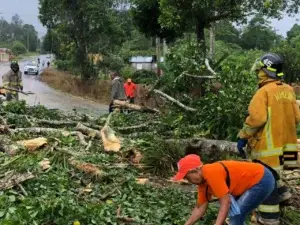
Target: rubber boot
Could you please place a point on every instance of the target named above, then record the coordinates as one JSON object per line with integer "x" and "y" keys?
{"x": 285, "y": 196}
{"x": 268, "y": 221}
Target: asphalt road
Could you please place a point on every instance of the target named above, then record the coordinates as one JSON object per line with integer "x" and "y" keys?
{"x": 50, "y": 97}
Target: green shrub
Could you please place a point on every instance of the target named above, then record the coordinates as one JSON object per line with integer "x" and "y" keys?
{"x": 144, "y": 77}
{"x": 64, "y": 65}
{"x": 111, "y": 62}
{"x": 127, "y": 72}
{"x": 18, "y": 48}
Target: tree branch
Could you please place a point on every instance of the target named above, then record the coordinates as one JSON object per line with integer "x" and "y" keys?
{"x": 184, "y": 73}
{"x": 174, "y": 101}
{"x": 209, "y": 68}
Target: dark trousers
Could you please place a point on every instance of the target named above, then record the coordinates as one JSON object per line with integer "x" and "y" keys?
{"x": 111, "y": 108}
{"x": 131, "y": 99}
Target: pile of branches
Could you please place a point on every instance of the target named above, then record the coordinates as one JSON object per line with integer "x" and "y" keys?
{"x": 113, "y": 166}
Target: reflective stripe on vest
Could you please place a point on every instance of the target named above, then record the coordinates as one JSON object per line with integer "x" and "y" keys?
{"x": 267, "y": 153}
{"x": 290, "y": 147}
{"x": 294, "y": 162}
{"x": 270, "y": 149}
{"x": 269, "y": 208}
{"x": 269, "y": 130}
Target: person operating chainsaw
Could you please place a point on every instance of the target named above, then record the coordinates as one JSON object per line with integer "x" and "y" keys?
{"x": 12, "y": 80}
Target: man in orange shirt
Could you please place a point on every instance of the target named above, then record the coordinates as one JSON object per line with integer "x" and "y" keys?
{"x": 130, "y": 89}
{"x": 240, "y": 187}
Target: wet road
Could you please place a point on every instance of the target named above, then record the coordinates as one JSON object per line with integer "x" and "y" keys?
{"x": 51, "y": 98}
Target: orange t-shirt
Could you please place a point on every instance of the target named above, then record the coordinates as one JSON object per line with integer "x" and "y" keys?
{"x": 243, "y": 176}
{"x": 130, "y": 89}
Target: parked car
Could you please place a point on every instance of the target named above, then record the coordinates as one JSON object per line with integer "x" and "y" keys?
{"x": 31, "y": 68}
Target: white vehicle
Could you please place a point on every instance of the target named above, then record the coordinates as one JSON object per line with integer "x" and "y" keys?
{"x": 31, "y": 68}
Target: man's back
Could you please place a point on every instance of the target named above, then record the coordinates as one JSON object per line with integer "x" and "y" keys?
{"x": 282, "y": 115}
{"x": 118, "y": 92}
{"x": 243, "y": 175}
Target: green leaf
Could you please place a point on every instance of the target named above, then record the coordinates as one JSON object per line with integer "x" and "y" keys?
{"x": 12, "y": 198}
{"x": 2, "y": 214}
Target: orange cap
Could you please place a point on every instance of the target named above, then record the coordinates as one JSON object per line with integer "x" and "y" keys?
{"x": 187, "y": 164}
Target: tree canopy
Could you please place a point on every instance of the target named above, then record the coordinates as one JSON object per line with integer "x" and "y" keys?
{"x": 259, "y": 34}
{"x": 182, "y": 16}
{"x": 16, "y": 30}
{"x": 85, "y": 26}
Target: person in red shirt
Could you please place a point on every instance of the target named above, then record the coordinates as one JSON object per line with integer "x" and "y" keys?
{"x": 130, "y": 90}
{"x": 239, "y": 186}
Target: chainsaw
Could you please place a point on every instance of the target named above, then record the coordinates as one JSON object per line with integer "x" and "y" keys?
{"x": 16, "y": 90}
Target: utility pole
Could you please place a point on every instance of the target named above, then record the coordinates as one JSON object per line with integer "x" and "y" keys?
{"x": 37, "y": 41}
{"x": 28, "y": 40}
{"x": 51, "y": 45}
{"x": 158, "y": 55}
{"x": 1, "y": 28}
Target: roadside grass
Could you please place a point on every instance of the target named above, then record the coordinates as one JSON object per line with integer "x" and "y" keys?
{"x": 98, "y": 90}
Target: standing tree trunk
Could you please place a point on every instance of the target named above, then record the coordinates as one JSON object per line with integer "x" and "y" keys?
{"x": 158, "y": 54}
{"x": 200, "y": 35}
{"x": 212, "y": 42}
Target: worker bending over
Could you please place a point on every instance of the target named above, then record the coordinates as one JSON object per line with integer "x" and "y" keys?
{"x": 239, "y": 186}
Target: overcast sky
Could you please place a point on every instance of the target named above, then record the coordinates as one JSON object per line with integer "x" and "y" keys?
{"x": 28, "y": 11}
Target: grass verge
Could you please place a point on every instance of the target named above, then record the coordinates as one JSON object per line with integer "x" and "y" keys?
{"x": 96, "y": 89}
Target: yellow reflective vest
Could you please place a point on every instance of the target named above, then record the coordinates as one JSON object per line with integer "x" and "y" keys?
{"x": 12, "y": 80}
{"x": 271, "y": 124}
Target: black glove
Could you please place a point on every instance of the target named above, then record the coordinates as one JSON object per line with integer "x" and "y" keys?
{"x": 21, "y": 88}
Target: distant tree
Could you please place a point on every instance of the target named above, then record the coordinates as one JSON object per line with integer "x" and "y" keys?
{"x": 259, "y": 34}
{"x": 51, "y": 43}
{"x": 290, "y": 51}
{"x": 179, "y": 16}
{"x": 30, "y": 37}
{"x": 226, "y": 32}
{"x": 294, "y": 32}
{"x": 146, "y": 15}
{"x": 16, "y": 20}
{"x": 18, "y": 48}
{"x": 5, "y": 31}
{"x": 86, "y": 26}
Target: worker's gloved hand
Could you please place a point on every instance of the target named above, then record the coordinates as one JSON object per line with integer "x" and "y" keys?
{"x": 21, "y": 88}
{"x": 241, "y": 144}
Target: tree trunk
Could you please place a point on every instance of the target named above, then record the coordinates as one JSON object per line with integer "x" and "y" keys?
{"x": 200, "y": 35}
{"x": 158, "y": 54}
{"x": 212, "y": 42}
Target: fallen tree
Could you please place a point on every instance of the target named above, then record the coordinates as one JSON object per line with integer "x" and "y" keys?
{"x": 86, "y": 166}
{"x": 135, "y": 107}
